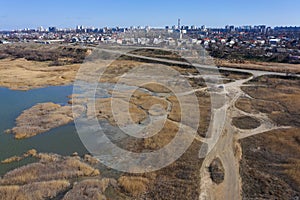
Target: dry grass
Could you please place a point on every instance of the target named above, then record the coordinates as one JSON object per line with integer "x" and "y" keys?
{"x": 255, "y": 105}
{"x": 41, "y": 118}
{"x": 293, "y": 170}
{"x": 54, "y": 176}
{"x": 180, "y": 180}
{"x": 37, "y": 190}
{"x": 276, "y": 96}
{"x": 118, "y": 68}
{"x": 119, "y": 114}
{"x": 134, "y": 185}
{"x": 32, "y": 153}
{"x": 90, "y": 159}
{"x": 163, "y": 137}
{"x": 146, "y": 101}
{"x": 245, "y": 122}
{"x": 270, "y": 165}
{"x": 50, "y": 167}
{"x": 155, "y": 87}
{"x": 204, "y": 107}
{"x": 21, "y": 74}
{"x": 139, "y": 105}
{"x": 88, "y": 189}
{"x": 266, "y": 66}
{"x": 11, "y": 159}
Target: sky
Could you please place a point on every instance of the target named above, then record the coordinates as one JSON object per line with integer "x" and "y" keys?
{"x": 19, "y": 14}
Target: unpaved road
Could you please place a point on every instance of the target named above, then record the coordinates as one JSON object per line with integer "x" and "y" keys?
{"x": 223, "y": 136}
{"x": 227, "y": 148}
{"x": 223, "y": 142}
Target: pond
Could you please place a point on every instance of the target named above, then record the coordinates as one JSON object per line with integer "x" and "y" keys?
{"x": 62, "y": 140}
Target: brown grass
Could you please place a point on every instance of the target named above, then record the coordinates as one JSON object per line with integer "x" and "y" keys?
{"x": 245, "y": 122}
{"x": 270, "y": 165}
{"x": 276, "y": 96}
{"x": 32, "y": 153}
{"x": 49, "y": 168}
{"x": 162, "y": 138}
{"x": 41, "y": 118}
{"x": 88, "y": 189}
{"x": 55, "y": 54}
{"x": 204, "y": 107}
{"x": 90, "y": 159}
{"x": 21, "y": 74}
{"x": 38, "y": 190}
{"x": 265, "y": 66}
{"x": 11, "y": 159}
{"x": 293, "y": 170}
{"x": 118, "y": 115}
{"x": 134, "y": 185}
{"x": 155, "y": 87}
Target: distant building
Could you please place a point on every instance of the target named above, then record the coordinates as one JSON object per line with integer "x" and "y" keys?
{"x": 40, "y": 29}
{"x": 52, "y": 29}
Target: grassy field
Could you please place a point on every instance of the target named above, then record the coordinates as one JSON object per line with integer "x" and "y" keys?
{"x": 270, "y": 162}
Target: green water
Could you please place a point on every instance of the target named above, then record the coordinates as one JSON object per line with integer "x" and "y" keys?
{"x": 63, "y": 140}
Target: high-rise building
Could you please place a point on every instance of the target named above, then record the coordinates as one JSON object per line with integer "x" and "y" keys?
{"x": 40, "y": 29}
{"x": 52, "y": 29}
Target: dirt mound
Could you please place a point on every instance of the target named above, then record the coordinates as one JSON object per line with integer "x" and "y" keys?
{"x": 216, "y": 171}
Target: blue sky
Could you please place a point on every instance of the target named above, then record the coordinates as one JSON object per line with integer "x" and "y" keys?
{"x": 15, "y": 14}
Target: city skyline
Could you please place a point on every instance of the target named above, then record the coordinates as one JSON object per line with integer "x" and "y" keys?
{"x": 142, "y": 27}
{"x": 155, "y": 13}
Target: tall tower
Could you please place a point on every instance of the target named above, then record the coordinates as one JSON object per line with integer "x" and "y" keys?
{"x": 178, "y": 24}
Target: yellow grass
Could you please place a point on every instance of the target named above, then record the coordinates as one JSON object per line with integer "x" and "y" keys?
{"x": 134, "y": 185}
{"x": 88, "y": 189}
{"x": 33, "y": 191}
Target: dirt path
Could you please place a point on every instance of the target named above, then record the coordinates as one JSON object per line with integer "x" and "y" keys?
{"x": 223, "y": 140}
{"x": 224, "y": 149}
{"x": 227, "y": 148}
